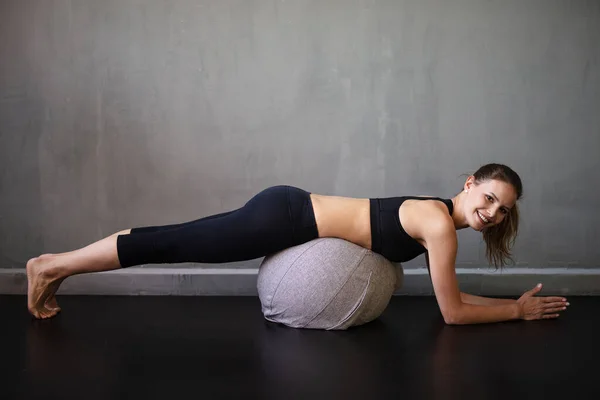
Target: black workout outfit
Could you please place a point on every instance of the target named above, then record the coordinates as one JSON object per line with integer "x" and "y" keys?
{"x": 275, "y": 219}
{"x": 388, "y": 237}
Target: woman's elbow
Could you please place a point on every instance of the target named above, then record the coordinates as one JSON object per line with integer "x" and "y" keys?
{"x": 452, "y": 317}
{"x": 450, "y": 321}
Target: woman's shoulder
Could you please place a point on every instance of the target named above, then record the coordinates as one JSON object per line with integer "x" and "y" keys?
{"x": 424, "y": 219}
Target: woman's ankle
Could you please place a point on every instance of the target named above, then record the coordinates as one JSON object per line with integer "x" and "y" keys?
{"x": 48, "y": 266}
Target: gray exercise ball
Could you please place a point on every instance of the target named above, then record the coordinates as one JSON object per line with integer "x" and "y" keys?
{"x": 327, "y": 283}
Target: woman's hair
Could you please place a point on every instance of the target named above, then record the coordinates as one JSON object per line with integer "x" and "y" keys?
{"x": 500, "y": 238}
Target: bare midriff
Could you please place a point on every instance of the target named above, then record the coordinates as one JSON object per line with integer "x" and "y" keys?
{"x": 343, "y": 217}
{"x": 350, "y": 218}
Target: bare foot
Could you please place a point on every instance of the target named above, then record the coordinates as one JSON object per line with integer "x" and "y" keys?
{"x": 42, "y": 284}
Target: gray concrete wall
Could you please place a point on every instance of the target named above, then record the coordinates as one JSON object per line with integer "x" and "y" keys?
{"x": 122, "y": 113}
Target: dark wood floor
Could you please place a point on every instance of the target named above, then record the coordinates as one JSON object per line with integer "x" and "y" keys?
{"x": 221, "y": 347}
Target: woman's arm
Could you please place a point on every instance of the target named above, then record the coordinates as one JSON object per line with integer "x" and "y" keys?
{"x": 476, "y": 300}
{"x": 484, "y": 301}
{"x": 440, "y": 236}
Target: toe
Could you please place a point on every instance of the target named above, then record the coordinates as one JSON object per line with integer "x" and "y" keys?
{"x": 51, "y": 303}
{"x": 47, "y": 313}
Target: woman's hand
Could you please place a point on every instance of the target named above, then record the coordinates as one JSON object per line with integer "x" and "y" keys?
{"x": 540, "y": 307}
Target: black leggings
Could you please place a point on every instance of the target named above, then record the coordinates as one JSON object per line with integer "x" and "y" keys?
{"x": 275, "y": 219}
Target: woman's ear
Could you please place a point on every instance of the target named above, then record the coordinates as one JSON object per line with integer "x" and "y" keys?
{"x": 469, "y": 183}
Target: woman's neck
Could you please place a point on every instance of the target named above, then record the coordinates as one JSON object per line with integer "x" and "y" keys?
{"x": 458, "y": 216}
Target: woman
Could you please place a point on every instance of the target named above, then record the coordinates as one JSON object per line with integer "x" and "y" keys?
{"x": 399, "y": 228}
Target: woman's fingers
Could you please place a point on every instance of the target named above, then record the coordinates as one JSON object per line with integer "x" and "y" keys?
{"x": 556, "y": 304}
{"x": 554, "y": 299}
{"x": 535, "y": 290}
{"x": 554, "y": 309}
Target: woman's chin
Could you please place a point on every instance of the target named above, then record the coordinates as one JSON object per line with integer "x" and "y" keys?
{"x": 477, "y": 224}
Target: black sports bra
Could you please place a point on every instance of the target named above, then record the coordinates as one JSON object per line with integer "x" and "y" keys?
{"x": 388, "y": 237}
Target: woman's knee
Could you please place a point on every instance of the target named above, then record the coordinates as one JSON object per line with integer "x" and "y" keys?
{"x": 123, "y": 232}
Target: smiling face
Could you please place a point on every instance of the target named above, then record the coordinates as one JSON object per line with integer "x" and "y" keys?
{"x": 488, "y": 203}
